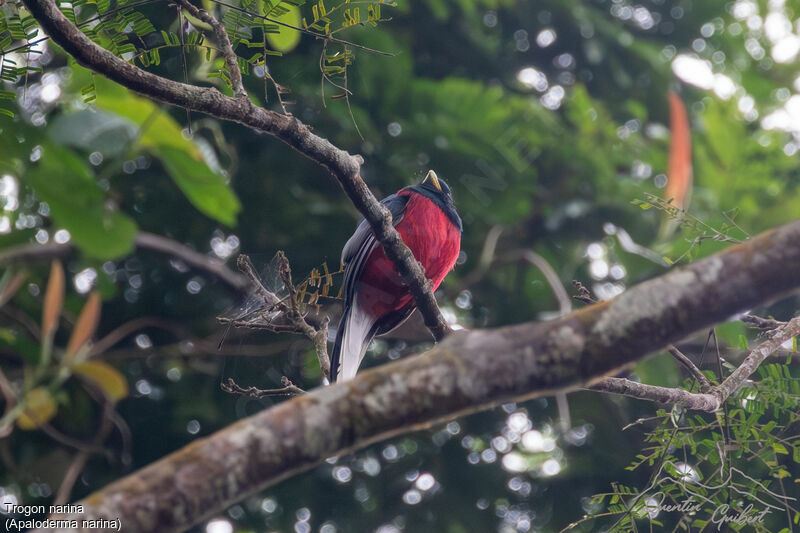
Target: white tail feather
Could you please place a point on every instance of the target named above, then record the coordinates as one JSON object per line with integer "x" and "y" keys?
{"x": 355, "y": 342}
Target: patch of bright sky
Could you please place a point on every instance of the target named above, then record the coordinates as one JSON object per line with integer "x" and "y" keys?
{"x": 779, "y": 39}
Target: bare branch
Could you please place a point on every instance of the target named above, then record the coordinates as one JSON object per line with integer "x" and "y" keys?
{"x": 212, "y": 265}
{"x": 690, "y": 366}
{"x": 10, "y": 400}
{"x": 764, "y": 324}
{"x": 288, "y": 389}
{"x": 344, "y": 166}
{"x": 147, "y": 241}
{"x": 564, "y": 303}
{"x": 469, "y": 371}
{"x": 751, "y": 362}
{"x": 583, "y": 296}
{"x": 683, "y": 398}
{"x": 282, "y": 315}
{"x": 82, "y": 457}
{"x": 132, "y": 326}
{"x": 246, "y": 267}
{"x": 318, "y": 336}
{"x": 714, "y": 397}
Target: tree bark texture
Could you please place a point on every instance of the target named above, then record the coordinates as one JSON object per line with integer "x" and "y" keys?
{"x": 469, "y": 371}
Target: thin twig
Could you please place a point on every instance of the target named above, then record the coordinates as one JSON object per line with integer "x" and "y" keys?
{"x": 82, "y": 457}
{"x": 288, "y": 389}
{"x": 11, "y": 401}
{"x": 282, "y": 314}
{"x": 584, "y": 295}
{"x": 715, "y": 396}
{"x": 212, "y": 265}
{"x": 690, "y": 366}
{"x": 764, "y": 324}
{"x": 245, "y": 266}
{"x": 318, "y": 336}
{"x": 326, "y": 38}
{"x": 564, "y": 304}
{"x": 26, "y": 253}
{"x": 137, "y": 324}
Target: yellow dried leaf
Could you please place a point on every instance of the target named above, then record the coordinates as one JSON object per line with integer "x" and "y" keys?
{"x": 86, "y": 325}
{"x": 328, "y": 276}
{"x": 105, "y": 377}
{"x": 53, "y": 300}
{"x": 40, "y": 407}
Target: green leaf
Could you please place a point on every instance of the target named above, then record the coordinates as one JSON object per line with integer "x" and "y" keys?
{"x": 162, "y": 136}
{"x": 78, "y": 204}
{"x": 93, "y": 131}
{"x": 779, "y": 448}
{"x": 206, "y": 190}
{"x": 286, "y": 39}
{"x": 742, "y": 342}
{"x": 660, "y": 370}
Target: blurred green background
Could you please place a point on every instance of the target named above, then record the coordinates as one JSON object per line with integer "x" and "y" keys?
{"x": 548, "y": 118}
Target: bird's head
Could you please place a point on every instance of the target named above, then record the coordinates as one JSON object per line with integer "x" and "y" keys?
{"x": 436, "y": 189}
{"x": 435, "y": 184}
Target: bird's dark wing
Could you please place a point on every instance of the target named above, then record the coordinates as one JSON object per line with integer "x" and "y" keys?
{"x": 354, "y": 257}
{"x": 387, "y": 323}
{"x": 360, "y": 245}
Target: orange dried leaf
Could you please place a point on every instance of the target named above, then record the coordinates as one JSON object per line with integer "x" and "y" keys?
{"x": 53, "y": 300}
{"x": 679, "y": 169}
{"x": 86, "y": 325}
{"x": 11, "y": 288}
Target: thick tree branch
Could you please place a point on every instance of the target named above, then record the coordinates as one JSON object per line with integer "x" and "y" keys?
{"x": 144, "y": 240}
{"x": 344, "y": 166}
{"x": 469, "y": 371}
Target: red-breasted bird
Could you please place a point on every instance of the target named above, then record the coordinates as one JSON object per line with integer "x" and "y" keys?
{"x": 376, "y": 300}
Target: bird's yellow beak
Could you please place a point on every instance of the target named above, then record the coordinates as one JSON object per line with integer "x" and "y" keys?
{"x": 433, "y": 179}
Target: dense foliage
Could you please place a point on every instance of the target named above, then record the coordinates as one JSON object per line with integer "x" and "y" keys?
{"x": 550, "y": 121}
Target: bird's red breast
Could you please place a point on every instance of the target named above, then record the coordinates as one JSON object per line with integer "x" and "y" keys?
{"x": 435, "y": 242}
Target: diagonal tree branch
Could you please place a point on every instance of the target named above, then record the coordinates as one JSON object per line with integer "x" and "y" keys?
{"x": 469, "y": 371}
{"x": 690, "y": 367}
{"x": 345, "y": 167}
{"x": 224, "y": 43}
{"x": 144, "y": 240}
{"x": 712, "y": 398}
{"x": 654, "y": 393}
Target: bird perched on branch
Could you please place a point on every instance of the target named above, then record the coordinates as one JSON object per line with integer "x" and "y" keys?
{"x": 376, "y": 299}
